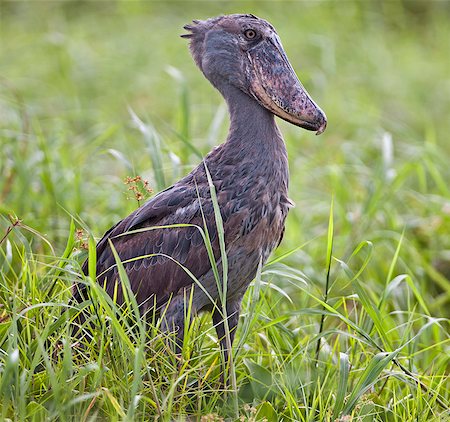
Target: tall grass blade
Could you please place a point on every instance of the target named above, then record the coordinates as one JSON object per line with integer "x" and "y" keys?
{"x": 328, "y": 266}
{"x": 344, "y": 368}
{"x": 369, "y": 377}
{"x": 223, "y": 287}
{"x": 153, "y": 142}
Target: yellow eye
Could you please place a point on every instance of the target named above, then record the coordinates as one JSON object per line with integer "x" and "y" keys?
{"x": 250, "y": 34}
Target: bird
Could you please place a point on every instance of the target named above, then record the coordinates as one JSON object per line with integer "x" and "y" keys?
{"x": 162, "y": 244}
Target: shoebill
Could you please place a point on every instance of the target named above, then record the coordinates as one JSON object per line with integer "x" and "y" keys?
{"x": 242, "y": 57}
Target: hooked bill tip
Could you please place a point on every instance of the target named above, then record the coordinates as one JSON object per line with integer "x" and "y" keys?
{"x": 322, "y": 128}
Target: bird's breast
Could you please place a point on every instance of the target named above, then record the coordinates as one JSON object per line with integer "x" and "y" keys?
{"x": 259, "y": 207}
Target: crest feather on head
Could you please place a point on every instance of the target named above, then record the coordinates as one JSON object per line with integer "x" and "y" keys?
{"x": 190, "y": 27}
{"x": 198, "y": 29}
{"x": 196, "y": 35}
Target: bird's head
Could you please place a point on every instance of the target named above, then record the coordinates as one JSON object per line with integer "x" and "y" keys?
{"x": 245, "y": 51}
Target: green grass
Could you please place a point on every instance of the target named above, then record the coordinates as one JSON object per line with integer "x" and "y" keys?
{"x": 350, "y": 317}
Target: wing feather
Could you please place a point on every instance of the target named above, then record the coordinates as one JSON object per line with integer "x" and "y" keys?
{"x": 157, "y": 275}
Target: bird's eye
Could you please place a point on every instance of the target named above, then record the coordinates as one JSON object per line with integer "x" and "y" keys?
{"x": 250, "y": 34}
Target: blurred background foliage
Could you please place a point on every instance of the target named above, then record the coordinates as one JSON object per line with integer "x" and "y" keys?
{"x": 73, "y": 71}
{"x": 92, "y": 92}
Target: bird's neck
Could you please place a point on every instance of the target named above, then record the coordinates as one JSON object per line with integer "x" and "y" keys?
{"x": 252, "y": 127}
{"x": 254, "y": 142}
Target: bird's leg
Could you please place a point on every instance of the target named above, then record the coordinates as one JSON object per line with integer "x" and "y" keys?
{"x": 173, "y": 321}
{"x": 232, "y": 314}
{"x": 174, "y": 317}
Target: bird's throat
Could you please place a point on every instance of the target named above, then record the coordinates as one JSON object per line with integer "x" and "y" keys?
{"x": 252, "y": 127}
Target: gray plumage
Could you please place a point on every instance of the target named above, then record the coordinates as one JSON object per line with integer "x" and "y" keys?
{"x": 242, "y": 57}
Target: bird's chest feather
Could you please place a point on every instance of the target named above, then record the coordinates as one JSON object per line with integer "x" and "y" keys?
{"x": 258, "y": 205}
